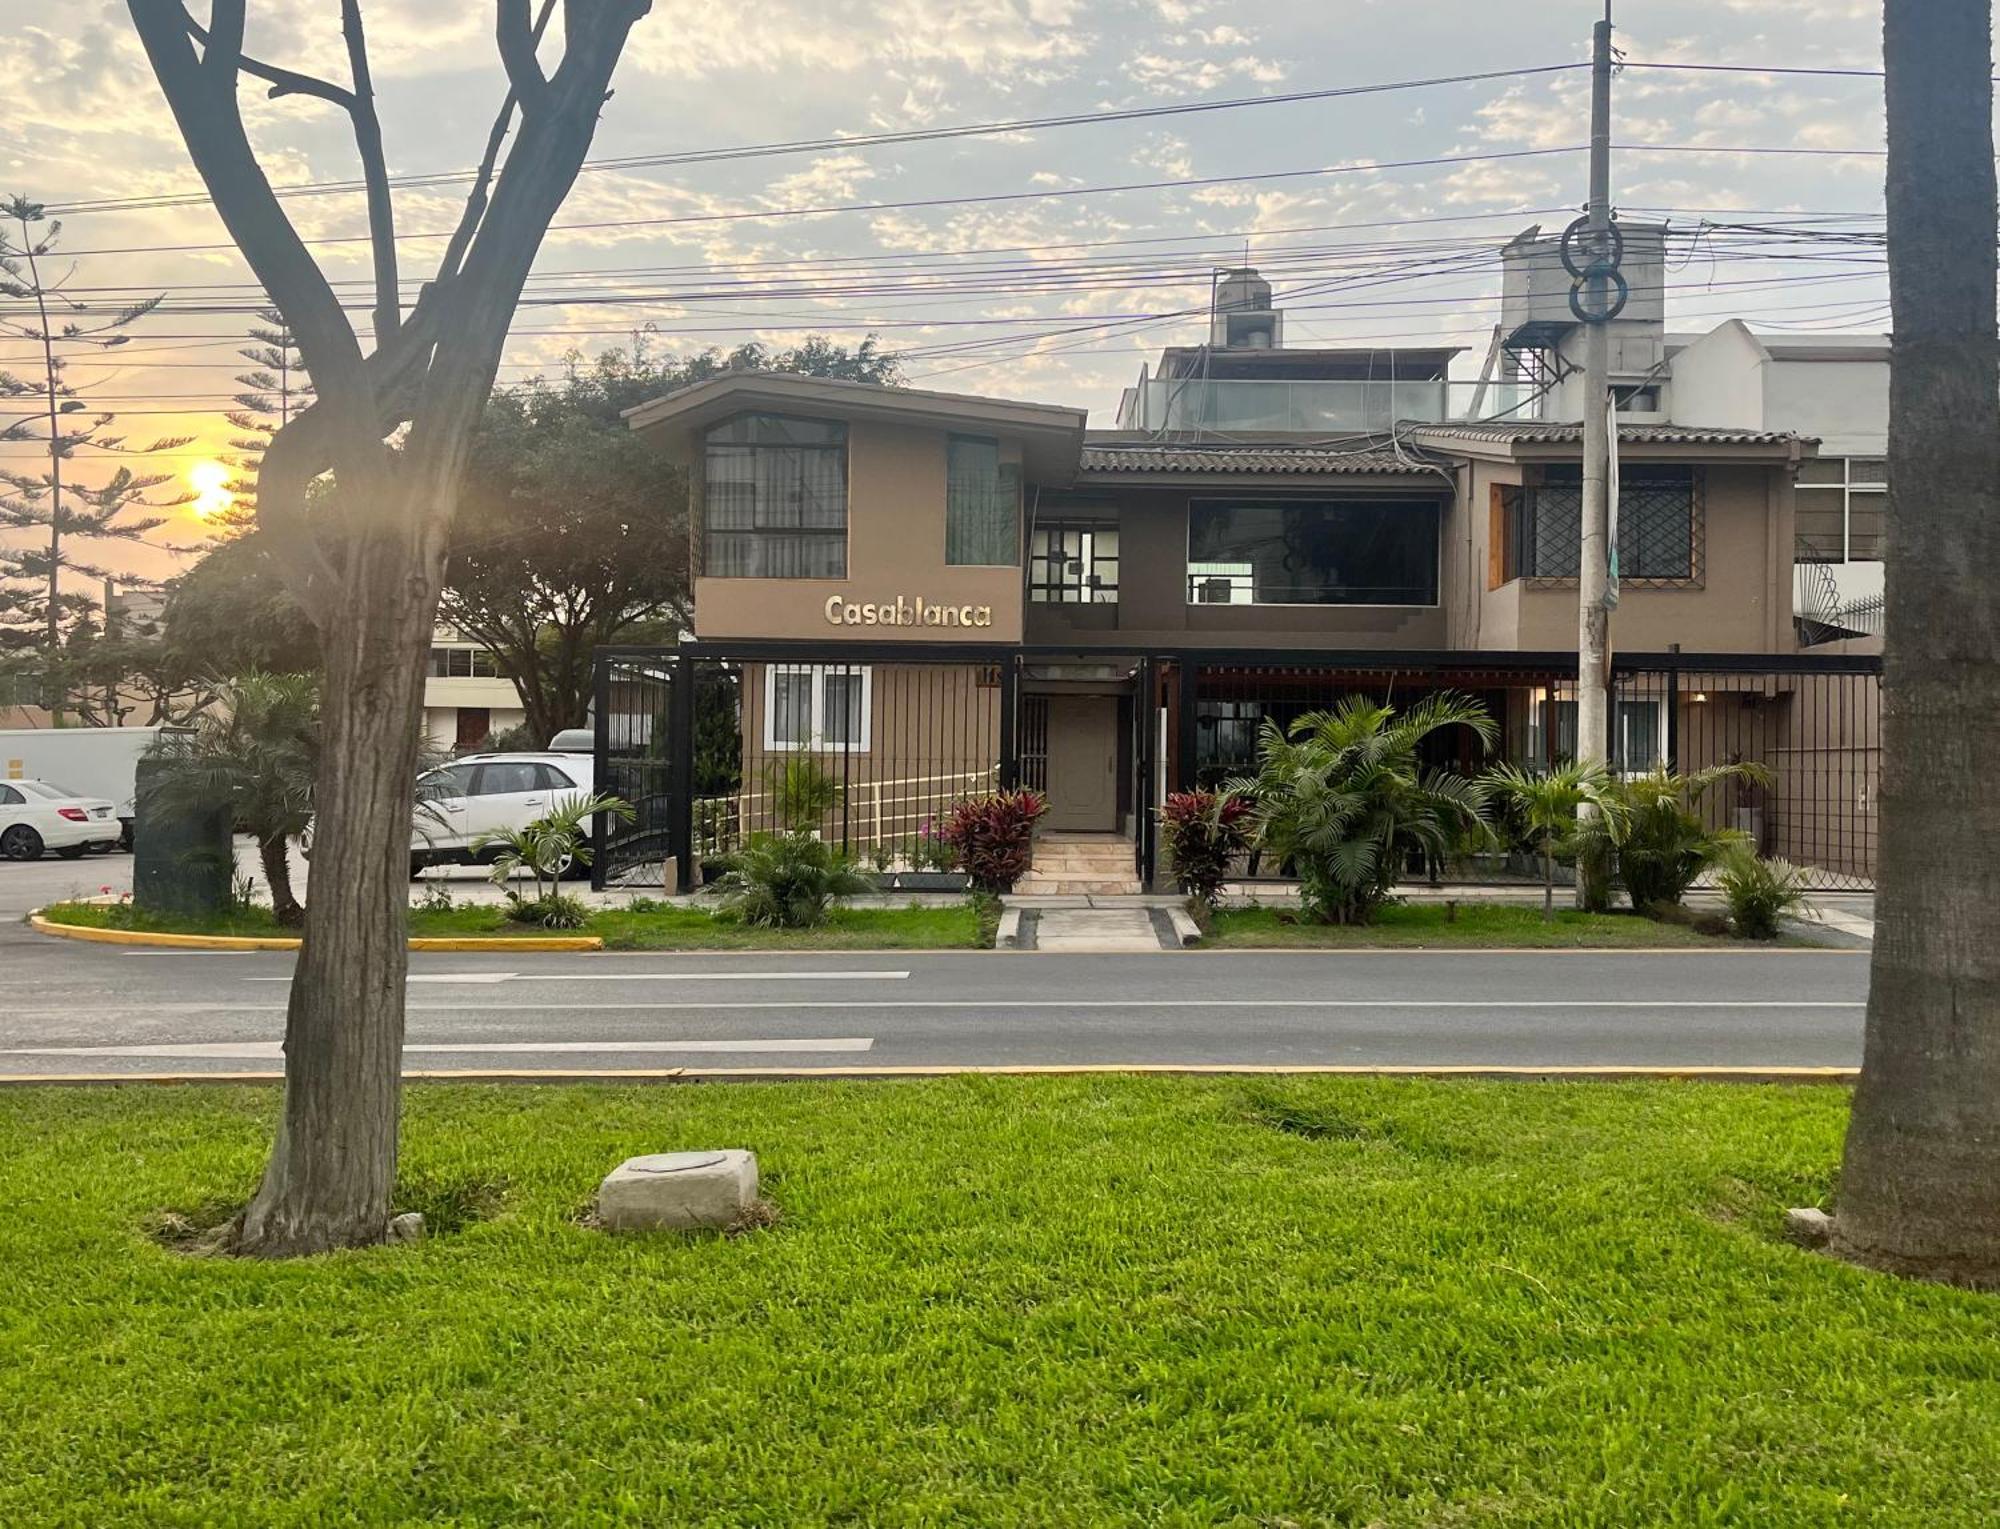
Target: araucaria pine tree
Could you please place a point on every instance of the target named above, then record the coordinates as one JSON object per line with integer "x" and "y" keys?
{"x": 49, "y": 612}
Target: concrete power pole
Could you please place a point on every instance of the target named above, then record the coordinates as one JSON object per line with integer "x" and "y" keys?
{"x": 1593, "y": 632}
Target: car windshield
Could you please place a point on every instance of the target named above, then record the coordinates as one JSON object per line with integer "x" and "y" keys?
{"x": 46, "y": 791}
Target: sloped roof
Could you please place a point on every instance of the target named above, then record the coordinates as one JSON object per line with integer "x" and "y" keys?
{"x": 1531, "y": 432}
{"x": 1296, "y": 460}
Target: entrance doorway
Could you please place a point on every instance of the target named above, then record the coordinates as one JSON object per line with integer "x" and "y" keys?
{"x": 1083, "y": 763}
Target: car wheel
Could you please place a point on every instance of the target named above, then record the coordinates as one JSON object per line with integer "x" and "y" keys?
{"x": 20, "y": 843}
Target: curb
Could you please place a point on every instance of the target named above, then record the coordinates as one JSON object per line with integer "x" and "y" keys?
{"x": 515, "y": 943}
{"x": 1471, "y": 1070}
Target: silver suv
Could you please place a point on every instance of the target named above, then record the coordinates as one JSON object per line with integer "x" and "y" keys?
{"x": 479, "y": 794}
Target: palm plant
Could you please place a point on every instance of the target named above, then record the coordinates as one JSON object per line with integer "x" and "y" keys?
{"x": 788, "y": 881}
{"x": 1761, "y": 892}
{"x": 1342, "y": 796}
{"x": 548, "y": 846}
{"x": 1550, "y": 804}
{"x": 257, "y": 750}
{"x": 1664, "y": 844}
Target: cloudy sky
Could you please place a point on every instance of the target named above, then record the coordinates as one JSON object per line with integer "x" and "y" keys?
{"x": 1058, "y": 292}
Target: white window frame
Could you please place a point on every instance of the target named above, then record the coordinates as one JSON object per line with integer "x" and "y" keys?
{"x": 815, "y": 741}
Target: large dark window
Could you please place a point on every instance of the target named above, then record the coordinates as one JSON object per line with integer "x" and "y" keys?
{"x": 1327, "y": 552}
{"x": 775, "y": 499}
{"x": 1073, "y": 562}
{"x": 1657, "y": 507}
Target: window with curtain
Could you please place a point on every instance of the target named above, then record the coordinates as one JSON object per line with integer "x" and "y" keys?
{"x": 774, "y": 502}
{"x": 817, "y": 708}
{"x": 982, "y": 504}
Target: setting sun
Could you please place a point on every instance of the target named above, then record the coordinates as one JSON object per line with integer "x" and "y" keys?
{"x": 211, "y": 486}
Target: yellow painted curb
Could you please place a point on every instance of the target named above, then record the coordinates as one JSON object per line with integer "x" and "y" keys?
{"x": 496, "y": 943}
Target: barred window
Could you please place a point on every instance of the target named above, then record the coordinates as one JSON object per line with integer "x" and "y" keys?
{"x": 982, "y": 504}
{"x": 1656, "y": 523}
{"x": 775, "y": 499}
{"x": 1073, "y": 562}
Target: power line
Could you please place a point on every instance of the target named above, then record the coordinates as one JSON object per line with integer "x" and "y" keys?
{"x": 852, "y": 141}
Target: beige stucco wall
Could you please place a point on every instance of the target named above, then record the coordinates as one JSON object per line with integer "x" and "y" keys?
{"x": 895, "y": 547}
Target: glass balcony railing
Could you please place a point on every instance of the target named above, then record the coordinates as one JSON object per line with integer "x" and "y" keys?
{"x": 1316, "y": 408}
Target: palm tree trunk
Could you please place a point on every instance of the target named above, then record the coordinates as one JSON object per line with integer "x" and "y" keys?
{"x": 1920, "y": 1181}
{"x": 277, "y": 860}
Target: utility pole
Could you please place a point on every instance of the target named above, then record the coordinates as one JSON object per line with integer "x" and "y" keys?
{"x": 1593, "y": 632}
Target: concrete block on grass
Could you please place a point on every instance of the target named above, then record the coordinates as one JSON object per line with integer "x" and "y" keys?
{"x": 678, "y": 1191}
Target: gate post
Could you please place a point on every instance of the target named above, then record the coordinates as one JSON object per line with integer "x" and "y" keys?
{"x": 1145, "y": 707}
{"x": 1183, "y": 776}
{"x": 1010, "y": 690}
{"x": 600, "y": 764}
{"x": 680, "y": 789}
{"x": 1674, "y": 709}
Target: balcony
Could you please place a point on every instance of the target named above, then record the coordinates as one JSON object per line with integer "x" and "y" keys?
{"x": 1234, "y": 406}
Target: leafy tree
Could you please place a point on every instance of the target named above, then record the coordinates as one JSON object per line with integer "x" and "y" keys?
{"x": 1342, "y": 796}
{"x": 233, "y": 612}
{"x": 259, "y": 751}
{"x": 44, "y": 588}
{"x": 1550, "y": 802}
{"x": 1920, "y": 1182}
{"x": 390, "y": 431}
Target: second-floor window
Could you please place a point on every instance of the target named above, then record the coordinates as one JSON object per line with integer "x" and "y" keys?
{"x": 1073, "y": 562}
{"x": 1658, "y": 519}
{"x": 982, "y": 504}
{"x": 463, "y": 663}
{"x": 774, "y": 501}
{"x": 1337, "y": 552}
{"x": 1839, "y": 509}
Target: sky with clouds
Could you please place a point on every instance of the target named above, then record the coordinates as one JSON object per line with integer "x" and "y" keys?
{"x": 1046, "y": 295}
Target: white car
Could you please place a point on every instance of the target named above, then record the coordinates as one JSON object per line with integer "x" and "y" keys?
{"x": 37, "y": 816}
{"x": 480, "y": 794}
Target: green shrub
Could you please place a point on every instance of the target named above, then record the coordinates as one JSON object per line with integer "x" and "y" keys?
{"x": 548, "y": 847}
{"x": 1204, "y": 831}
{"x": 1342, "y": 796}
{"x": 1665, "y": 845}
{"x": 1760, "y": 892}
{"x": 992, "y": 837}
{"x": 801, "y": 790}
{"x": 788, "y": 881}
{"x": 551, "y": 910}
{"x": 1550, "y": 804}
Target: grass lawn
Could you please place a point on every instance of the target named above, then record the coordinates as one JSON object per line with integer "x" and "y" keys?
{"x": 660, "y": 926}
{"x": 1160, "y": 1301}
{"x": 1477, "y": 924}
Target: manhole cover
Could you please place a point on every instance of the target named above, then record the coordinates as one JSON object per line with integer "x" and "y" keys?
{"x": 675, "y": 1162}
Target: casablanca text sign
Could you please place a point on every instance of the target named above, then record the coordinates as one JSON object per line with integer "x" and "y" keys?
{"x": 905, "y": 612}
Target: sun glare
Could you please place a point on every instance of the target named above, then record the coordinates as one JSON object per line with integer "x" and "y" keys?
{"x": 211, "y": 485}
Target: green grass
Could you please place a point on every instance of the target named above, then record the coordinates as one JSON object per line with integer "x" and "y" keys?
{"x": 994, "y": 1301}
{"x": 952, "y": 926}
{"x": 1477, "y": 924}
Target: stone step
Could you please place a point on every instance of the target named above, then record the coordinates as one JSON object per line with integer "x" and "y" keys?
{"x": 1096, "y": 929}
{"x": 1032, "y": 887}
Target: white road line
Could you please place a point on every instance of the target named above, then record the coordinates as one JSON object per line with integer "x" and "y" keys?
{"x": 147, "y": 955}
{"x": 498, "y": 977}
{"x": 275, "y": 1049}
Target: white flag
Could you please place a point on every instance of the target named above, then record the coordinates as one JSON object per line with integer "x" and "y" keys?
{"x": 1611, "y": 502}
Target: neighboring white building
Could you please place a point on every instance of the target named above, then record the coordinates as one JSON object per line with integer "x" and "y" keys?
{"x": 1832, "y": 387}
{"x": 465, "y": 699}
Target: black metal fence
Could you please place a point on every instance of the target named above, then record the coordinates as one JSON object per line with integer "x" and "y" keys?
{"x": 867, "y": 744}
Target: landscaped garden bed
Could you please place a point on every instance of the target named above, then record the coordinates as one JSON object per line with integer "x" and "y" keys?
{"x": 1465, "y": 925}
{"x": 640, "y": 925}
{"x": 993, "y": 1301}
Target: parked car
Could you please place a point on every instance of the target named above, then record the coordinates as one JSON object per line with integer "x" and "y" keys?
{"x": 480, "y": 794}
{"x": 36, "y": 816}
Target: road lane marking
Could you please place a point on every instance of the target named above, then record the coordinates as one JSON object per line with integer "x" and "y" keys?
{"x": 275, "y": 1049}
{"x": 498, "y": 977}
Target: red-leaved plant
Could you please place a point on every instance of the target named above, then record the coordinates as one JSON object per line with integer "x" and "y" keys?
{"x": 991, "y": 836}
{"x": 1204, "y": 832}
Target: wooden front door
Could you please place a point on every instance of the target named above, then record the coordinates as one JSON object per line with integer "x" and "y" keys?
{"x": 1083, "y": 763}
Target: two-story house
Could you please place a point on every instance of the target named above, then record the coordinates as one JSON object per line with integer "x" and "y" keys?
{"x": 904, "y": 596}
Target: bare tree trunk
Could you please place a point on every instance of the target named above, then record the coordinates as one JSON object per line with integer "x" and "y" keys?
{"x": 277, "y": 861}
{"x": 1920, "y": 1182}
{"x": 333, "y": 1166}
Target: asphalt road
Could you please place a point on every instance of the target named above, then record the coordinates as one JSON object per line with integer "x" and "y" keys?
{"x": 70, "y": 1008}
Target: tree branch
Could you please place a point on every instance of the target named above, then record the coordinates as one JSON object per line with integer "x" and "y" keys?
{"x": 517, "y": 52}
{"x": 375, "y": 173}
{"x": 475, "y": 202}
{"x": 283, "y": 82}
